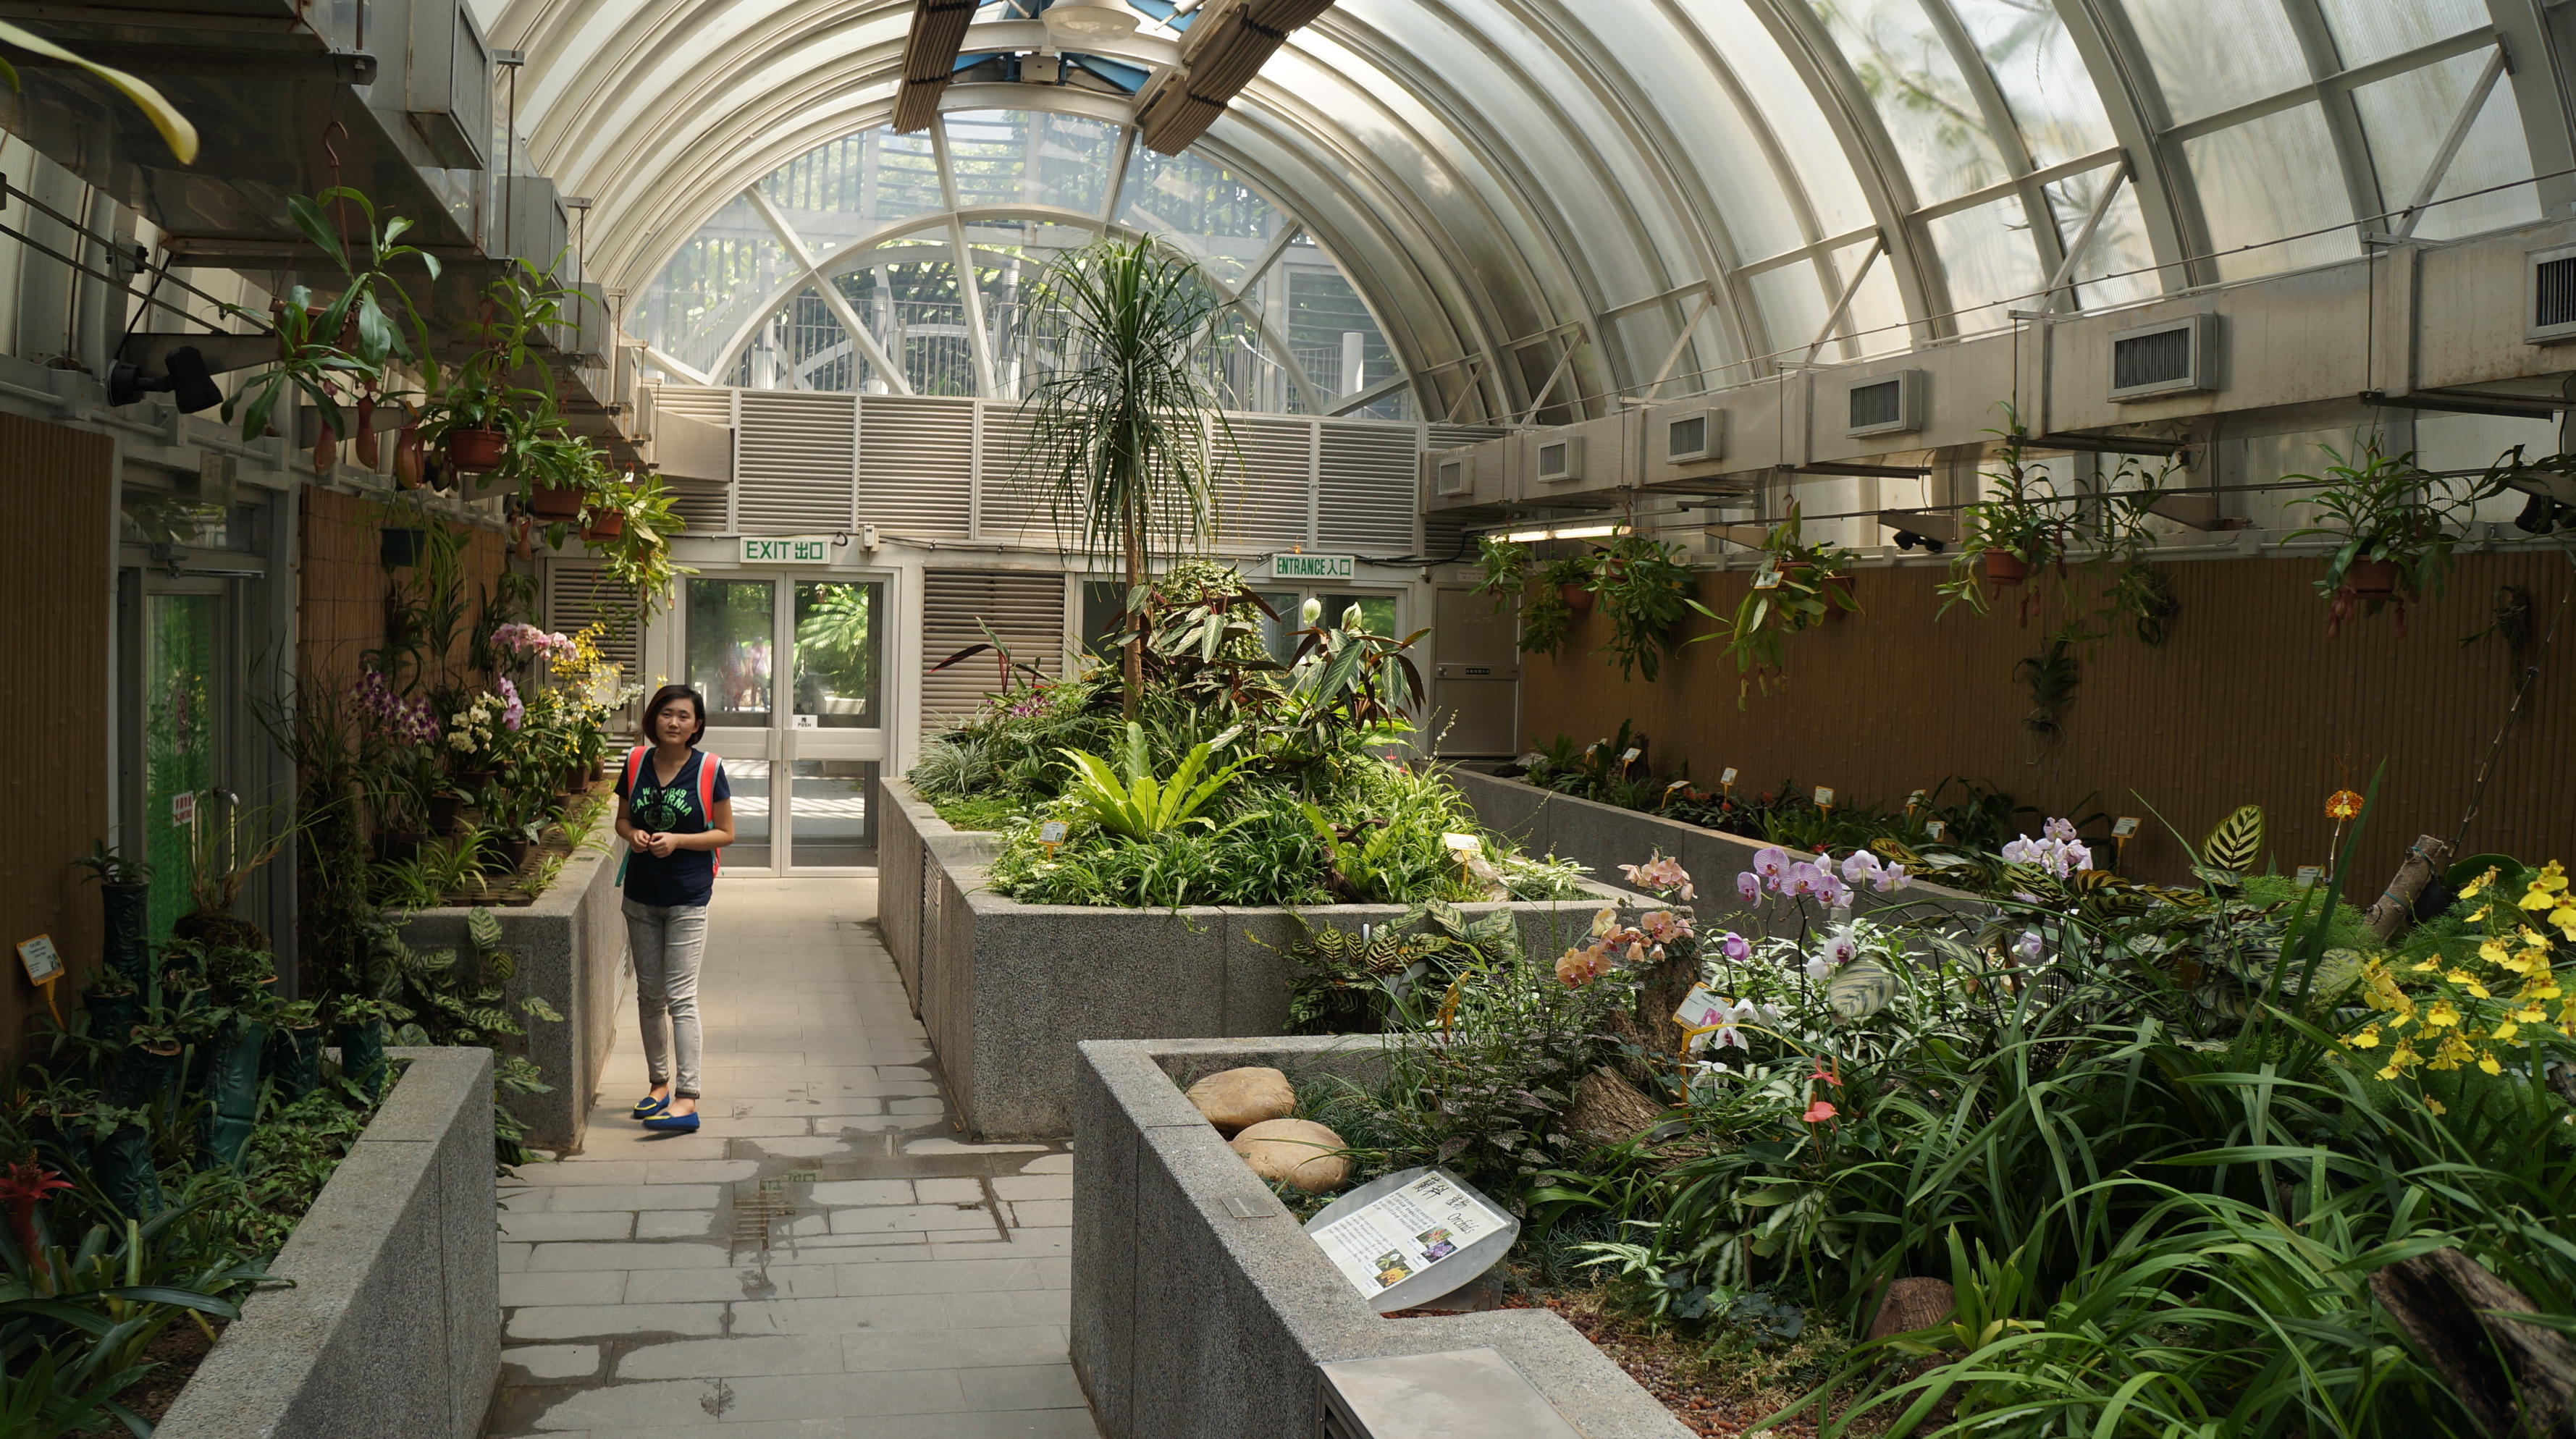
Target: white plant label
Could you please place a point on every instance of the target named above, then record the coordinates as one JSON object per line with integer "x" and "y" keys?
{"x": 1824, "y": 797}
{"x": 43, "y": 963}
{"x": 1700, "y": 1010}
{"x": 1728, "y": 776}
{"x": 2311, "y": 875}
{"x": 1628, "y": 756}
{"x": 1402, "y": 1234}
{"x": 1936, "y": 829}
{"x": 2125, "y": 827}
{"x": 1052, "y": 832}
{"x": 1461, "y": 844}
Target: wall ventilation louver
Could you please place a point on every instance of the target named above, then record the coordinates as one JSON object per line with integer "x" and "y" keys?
{"x": 1694, "y": 438}
{"x": 2171, "y": 357}
{"x": 1888, "y": 405}
{"x": 2551, "y": 290}
{"x": 1558, "y": 461}
{"x": 1453, "y": 477}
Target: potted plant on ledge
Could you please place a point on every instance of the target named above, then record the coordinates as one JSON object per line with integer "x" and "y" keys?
{"x": 2394, "y": 524}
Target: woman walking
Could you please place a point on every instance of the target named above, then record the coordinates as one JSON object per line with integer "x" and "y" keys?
{"x": 675, "y": 811}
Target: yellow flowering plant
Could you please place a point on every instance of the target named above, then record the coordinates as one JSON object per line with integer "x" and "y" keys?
{"x": 2480, "y": 984}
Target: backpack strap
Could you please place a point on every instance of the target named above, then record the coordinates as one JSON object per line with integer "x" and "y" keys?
{"x": 707, "y": 765}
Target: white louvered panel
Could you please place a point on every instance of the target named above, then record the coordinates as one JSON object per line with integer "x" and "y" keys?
{"x": 711, "y": 403}
{"x": 1368, "y": 488}
{"x": 705, "y": 506}
{"x": 1012, "y": 505}
{"x": 1445, "y": 437}
{"x": 577, "y": 594}
{"x": 916, "y": 464}
{"x": 1444, "y": 539}
{"x": 1025, "y": 610}
{"x": 1269, "y": 501}
{"x": 793, "y": 462}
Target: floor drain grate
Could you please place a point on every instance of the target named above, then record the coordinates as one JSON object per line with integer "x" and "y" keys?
{"x": 763, "y": 1203}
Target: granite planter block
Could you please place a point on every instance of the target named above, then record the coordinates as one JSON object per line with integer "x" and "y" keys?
{"x": 1006, "y": 989}
{"x": 1603, "y": 837}
{"x": 910, "y": 832}
{"x": 1193, "y": 1321}
{"x": 393, "y": 1323}
{"x": 571, "y": 946}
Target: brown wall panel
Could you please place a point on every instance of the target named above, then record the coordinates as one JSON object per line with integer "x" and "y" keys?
{"x": 340, "y": 602}
{"x": 2248, "y": 701}
{"x": 56, "y": 587}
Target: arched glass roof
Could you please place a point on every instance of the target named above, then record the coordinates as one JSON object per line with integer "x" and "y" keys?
{"x": 841, "y": 269}
{"x": 1549, "y": 204}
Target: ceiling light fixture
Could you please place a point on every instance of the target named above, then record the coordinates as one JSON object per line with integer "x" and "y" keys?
{"x": 1569, "y": 532}
{"x": 1076, "y": 20}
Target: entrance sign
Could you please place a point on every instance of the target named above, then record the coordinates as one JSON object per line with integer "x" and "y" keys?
{"x": 1313, "y": 567}
{"x": 794, "y": 550}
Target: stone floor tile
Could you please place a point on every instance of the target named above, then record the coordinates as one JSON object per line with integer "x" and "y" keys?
{"x": 1020, "y": 1424}
{"x": 835, "y": 1193}
{"x": 1041, "y": 1344}
{"x": 1049, "y": 1164}
{"x": 1034, "y": 1186}
{"x": 943, "y": 1276}
{"x": 734, "y": 1358}
{"x": 601, "y": 1321}
{"x": 679, "y": 1286}
{"x": 817, "y": 1396}
{"x": 1039, "y": 1213}
{"x": 604, "y": 1224}
{"x": 931, "y": 1218}
{"x": 675, "y": 1224}
{"x": 572, "y": 1198}
{"x": 524, "y": 1289}
{"x": 554, "y": 1361}
{"x": 1002, "y": 1309}
{"x": 834, "y": 1316}
{"x": 950, "y": 1191}
{"x": 586, "y": 1171}
{"x": 937, "y": 1146}
{"x": 1030, "y": 1386}
{"x": 663, "y": 1255}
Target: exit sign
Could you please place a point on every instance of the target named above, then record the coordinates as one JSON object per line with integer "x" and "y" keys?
{"x": 1313, "y": 567}
{"x": 800, "y": 550}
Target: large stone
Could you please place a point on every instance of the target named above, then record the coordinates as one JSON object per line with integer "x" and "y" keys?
{"x": 1295, "y": 1151}
{"x": 1236, "y": 1098}
{"x": 1911, "y": 1304}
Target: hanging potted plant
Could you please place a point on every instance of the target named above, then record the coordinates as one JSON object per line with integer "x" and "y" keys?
{"x": 2394, "y": 525}
{"x": 1645, "y": 591}
{"x": 603, "y": 513}
{"x": 639, "y": 558}
{"x": 1799, "y": 586}
{"x": 2021, "y": 524}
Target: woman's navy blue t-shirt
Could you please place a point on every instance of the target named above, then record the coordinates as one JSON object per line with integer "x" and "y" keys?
{"x": 685, "y": 876}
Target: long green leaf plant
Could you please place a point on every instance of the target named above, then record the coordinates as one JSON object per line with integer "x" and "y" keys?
{"x": 1124, "y": 432}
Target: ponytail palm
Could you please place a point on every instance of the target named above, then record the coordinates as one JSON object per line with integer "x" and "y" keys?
{"x": 1119, "y": 432}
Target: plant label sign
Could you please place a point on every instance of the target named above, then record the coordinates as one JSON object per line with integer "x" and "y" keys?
{"x": 1628, "y": 756}
{"x": 794, "y": 550}
{"x": 2125, "y": 827}
{"x": 1767, "y": 577}
{"x": 1700, "y": 1010}
{"x": 2310, "y": 876}
{"x": 183, "y": 808}
{"x": 1314, "y": 567}
{"x": 1463, "y": 846}
{"x": 1824, "y": 797}
{"x": 1052, "y": 832}
{"x": 1935, "y": 829}
{"x": 1727, "y": 778}
{"x": 1406, "y": 1232}
{"x": 44, "y": 965}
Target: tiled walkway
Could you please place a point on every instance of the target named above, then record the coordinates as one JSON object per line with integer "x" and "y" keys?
{"x": 824, "y": 1259}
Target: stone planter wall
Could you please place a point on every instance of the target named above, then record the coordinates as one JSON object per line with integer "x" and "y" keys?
{"x": 908, "y": 830}
{"x": 571, "y": 946}
{"x": 1007, "y": 989}
{"x": 393, "y": 1324}
{"x": 1200, "y": 1308}
{"x": 1603, "y": 837}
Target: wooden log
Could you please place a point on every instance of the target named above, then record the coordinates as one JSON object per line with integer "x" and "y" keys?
{"x": 1609, "y": 1110}
{"x": 1912, "y": 1304}
{"x": 2394, "y": 910}
{"x": 2517, "y": 1380}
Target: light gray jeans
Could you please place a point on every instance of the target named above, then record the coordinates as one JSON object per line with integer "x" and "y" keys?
{"x": 668, "y": 941}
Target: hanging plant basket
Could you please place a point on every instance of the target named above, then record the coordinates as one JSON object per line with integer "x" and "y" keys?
{"x": 559, "y": 504}
{"x": 1838, "y": 593}
{"x": 2372, "y": 579}
{"x": 476, "y": 449}
{"x": 1577, "y": 598}
{"x": 2003, "y": 567}
{"x": 604, "y": 527}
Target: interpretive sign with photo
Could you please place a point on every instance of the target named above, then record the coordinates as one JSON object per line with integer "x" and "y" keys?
{"x": 1404, "y": 1233}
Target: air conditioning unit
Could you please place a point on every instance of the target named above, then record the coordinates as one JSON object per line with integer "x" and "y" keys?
{"x": 532, "y": 223}
{"x": 1886, "y": 405}
{"x": 1691, "y": 437}
{"x": 447, "y": 81}
{"x": 589, "y": 337}
{"x": 2170, "y": 357}
{"x": 2549, "y": 308}
{"x": 1556, "y": 459}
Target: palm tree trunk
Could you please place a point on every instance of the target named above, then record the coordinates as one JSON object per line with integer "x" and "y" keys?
{"x": 1135, "y": 659}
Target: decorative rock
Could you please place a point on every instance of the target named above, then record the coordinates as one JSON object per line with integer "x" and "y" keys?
{"x": 1296, "y": 1151}
{"x": 1913, "y": 1304}
{"x": 1235, "y": 1098}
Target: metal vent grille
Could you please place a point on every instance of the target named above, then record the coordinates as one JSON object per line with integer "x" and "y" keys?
{"x": 1453, "y": 477}
{"x": 793, "y": 462}
{"x": 1686, "y": 439}
{"x": 1551, "y": 458}
{"x": 1449, "y": 437}
{"x": 1273, "y": 500}
{"x": 1444, "y": 539}
{"x": 916, "y": 464}
{"x": 706, "y": 504}
{"x": 578, "y": 594}
{"x": 2553, "y": 293}
{"x": 1010, "y": 506}
{"x": 1366, "y": 498}
{"x": 1878, "y": 406}
{"x": 1026, "y": 610}
{"x": 2160, "y": 357}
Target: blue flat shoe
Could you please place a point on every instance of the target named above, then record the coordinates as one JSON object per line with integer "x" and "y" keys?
{"x": 673, "y": 1123}
{"x": 649, "y": 1106}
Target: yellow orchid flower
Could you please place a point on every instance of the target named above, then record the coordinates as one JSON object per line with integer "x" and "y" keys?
{"x": 2367, "y": 1039}
{"x": 2435, "y": 1105}
{"x": 2467, "y": 981}
{"x": 2505, "y": 1029}
{"x": 2537, "y": 898}
{"x": 2488, "y": 1063}
{"x": 2442, "y": 1015}
{"x": 2475, "y": 886}
{"x": 2493, "y": 951}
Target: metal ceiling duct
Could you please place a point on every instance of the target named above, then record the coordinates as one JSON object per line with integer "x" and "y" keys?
{"x": 1227, "y": 45}
{"x": 929, "y": 58}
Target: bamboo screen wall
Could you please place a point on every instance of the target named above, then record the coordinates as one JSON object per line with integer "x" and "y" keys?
{"x": 342, "y": 582}
{"x": 2247, "y": 701}
{"x": 56, "y": 586}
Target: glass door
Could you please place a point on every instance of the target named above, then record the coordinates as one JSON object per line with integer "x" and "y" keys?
{"x": 794, "y": 675}
{"x": 184, "y": 713}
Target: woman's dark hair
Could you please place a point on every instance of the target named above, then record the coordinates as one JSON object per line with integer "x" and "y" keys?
{"x": 668, "y": 694}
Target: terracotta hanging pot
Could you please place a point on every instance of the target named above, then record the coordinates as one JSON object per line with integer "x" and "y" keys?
{"x": 368, "y": 454}
{"x": 409, "y": 471}
{"x": 476, "y": 449}
{"x": 1838, "y": 593}
{"x": 1578, "y": 598}
{"x": 2372, "y": 579}
{"x": 606, "y": 526}
{"x": 561, "y": 504}
{"x": 2003, "y": 567}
